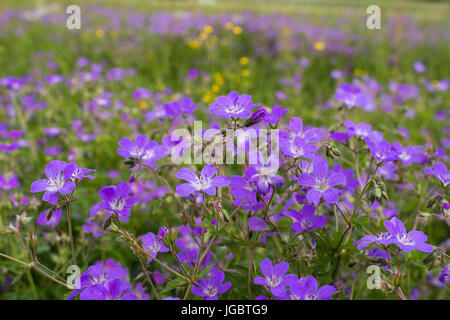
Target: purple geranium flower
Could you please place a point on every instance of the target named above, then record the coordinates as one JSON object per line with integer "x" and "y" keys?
{"x": 275, "y": 116}
{"x": 58, "y": 174}
{"x": 257, "y": 224}
{"x": 440, "y": 172}
{"x": 233, "y": 105}
{"x": 382, "y": 150}
{"x": 361, "y": 130}
{"x": 143, "y": 148}
{"x": 444, "y": 276}
{"x": 53, "y": 221}
{"x": 210, "y": 288}
{"x": 306, "y": 220}
{"x": 115, "y": 199}
{"x": 206, "y": 182}
{"x": 115, "y": 289}
{"x": 297, "y": 148}
{"x": 409, "y": 154}
{"x": 321, "y": 183}
{"x": 383, "y": 238}
{"x": 297, "y": 130}
{"x": 80, "y": 174}
{"x": 9, "y": 183}
{"x": 350, "y": 95}
{"x": 275, "y": 277}
{"x": 263, "y": 174}
{"x": 242, "y": 188}
{"x": 407, "y": 241}
{"x": 307, "y": 289}
{"x": 153, "y": 245}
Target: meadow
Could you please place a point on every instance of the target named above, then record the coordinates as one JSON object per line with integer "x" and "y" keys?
{"x": 352, "y": 203}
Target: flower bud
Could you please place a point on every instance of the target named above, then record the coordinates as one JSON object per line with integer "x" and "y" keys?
{"x": 256, "y": 118}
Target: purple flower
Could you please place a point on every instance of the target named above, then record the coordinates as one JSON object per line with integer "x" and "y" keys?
{"x": 275, "y": 277}
{"x": 383, "y": 238}
{"x": 257, "y": 224}
{"x": 407, "y": 241}
{"x": 58, "y": 172}
{"x": 306, "y": 220}
{"x": 176, "y": 108}
{"x": 409, "y": 154}
{"x": 382, "y": 151}
{"x": 297, "y": 130}
{"x": 99, "y": 274}
{"x": 53, "y": 78}
{"x": 256, "y": 117}
{"x": 440, "y": 172}
{"x": 233, "y": 105}
{"x": 143, "y": 148}
{"x": 321, "y": 182}
{"x": 419, "y": 66}
{"x": 141, "y": 93}
{"x": 53, "y": 221}
{"x": 115, "y": 199}
{"x": 361, "y": 130}
{"x": 9, "y": 183}
{"x": 263, "y": 174}
{"x": 350, "y": 95}
{"x": 242, "y": 188}
{"x": 307, "y": 289}
{"x": 297, "y": 148}
{"x": 210, "y": 288}
{"x": 115, "y": 289}
{"x": 206, "y": 182}
{"x": 275, "y": 116}
{"x": 80, "y": 174}
{"x": 444, "y": 276}
{"x": 153, "y": 245}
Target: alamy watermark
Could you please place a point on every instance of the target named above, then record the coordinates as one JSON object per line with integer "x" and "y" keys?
{"x": 73, "y": 21}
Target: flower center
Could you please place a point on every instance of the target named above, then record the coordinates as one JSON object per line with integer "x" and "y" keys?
{"x": 404, "y": 238}
{"x": 274, "y": 280}
{"x": 117, "y": 204}
{"x": 311, "y": 296}
{"x": 210, "y": 290}
{"x": 136, "y": 152}
{"x": 234, "y": 109}
{"x": 201, "y": 183}
{"x": 321, "y": 184}
{"x": 56, "y": 183}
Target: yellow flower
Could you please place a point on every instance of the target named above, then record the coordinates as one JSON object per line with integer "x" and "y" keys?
{"x": 207, "y": 98}
{"x": 218, "y": 78}
{"x": 215, "y": 88}
{"x": 229, "y": 26}
{"x": 208, "y": 29}
{"x": 113, "y": 34}
{"x": 319, "y": 45}
{"x": 358, "y": 72}
{"x": 245, "y": 73}
{"x": 237, "y": 30}
{"x": 142, "y": 105}
{"x": 99, "y": 33}
{"x": 194, "y": 44}
{"x": 244, "y": 61}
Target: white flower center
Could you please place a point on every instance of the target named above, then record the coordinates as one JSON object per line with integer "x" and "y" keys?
{"x": 210, "y": 290}
{"x": 234, "y": 109}
{"x": 117, "y": 204}
{"x": 56, "y": 183}
{"x": 321, "y": 184}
